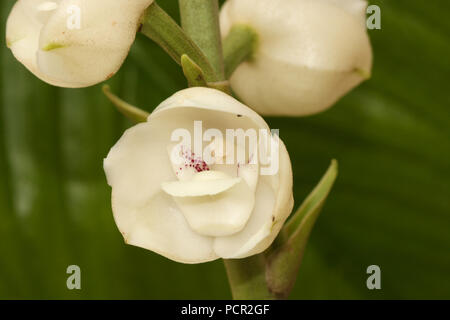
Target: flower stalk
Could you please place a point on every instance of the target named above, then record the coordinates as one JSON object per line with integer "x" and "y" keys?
{"x": 200, "y": 20}
{"x": 128, "y": 110}
{"x": 247, "y": 278}
{"x": 238, "y": 46}
{"x": 161, "y": 28}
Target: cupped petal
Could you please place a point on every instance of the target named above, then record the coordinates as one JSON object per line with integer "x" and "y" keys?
{"x": 209, "y": 100}
{"x": 159, "y": 226}
{"x": 23, "y": 28}
{"x": 354, "y": 7}
{"x": 273, "y": 205}
{"x": 284, "y": 202}
{"x": 309, "y": 53}
{"x": 138, "y": 163}
{"x": 303, "y": 92}
{"x": 91, "y": 52}
{"x": 258, "y": 227}
{"x": 206, "y": 183}
{"x": 221, "y": 214}
{"x": 147, "y": 217}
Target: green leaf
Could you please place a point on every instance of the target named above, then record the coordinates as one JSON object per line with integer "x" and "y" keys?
{"x": 283, "y": 262}
{"x": 161, "y": 28}
{"x": 389, "y": 207}
{"x": 309, "y": 210}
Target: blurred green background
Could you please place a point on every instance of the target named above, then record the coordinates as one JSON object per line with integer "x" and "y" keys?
{"x": 390, "y": 206}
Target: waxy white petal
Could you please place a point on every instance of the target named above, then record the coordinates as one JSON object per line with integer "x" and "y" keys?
{"x": 258, "y": 227}
{"x": 206, "y": 183}
{"x": 146, "y": 216}
{"x": 273, "y": 205}
{"x": 42, "y": 35}
{"x": 161, "y": 227}
{"x": 308, "y": 55}
{"x": 219, "y": 215}
{"x": 22, "y": 33}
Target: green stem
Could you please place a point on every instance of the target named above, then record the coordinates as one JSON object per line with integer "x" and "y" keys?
{"x": 247, "y": 278}
{"x": 200, "y": 20}
{"x": 221, "y": 85}
{"x": 196, "y": 78}
{"x": 283, "y": 261}
{"x": 130, "y": 111}
{"x": 161, "y": 28}
{"x": 238, "y": 46}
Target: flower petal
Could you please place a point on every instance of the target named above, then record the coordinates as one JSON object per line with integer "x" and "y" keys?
{"x": 273, "y": 205}
{"x": 210, "y": 100}
{"x": 147, "y": 217}
{"x": 221, "y": 214}
{"x": 309, "y": 53}
{"x": 23, "y": 28}
{"x": 206, "y": 183}
{"x": 355, "y": 7}
{"x": 92, "y": 53}
{"x": 160, "y": 226}
{"x": 257, "y": 228}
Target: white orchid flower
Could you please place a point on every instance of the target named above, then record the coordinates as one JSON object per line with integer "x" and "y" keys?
{"x": 168, "y": 198}
{"x": 73, "y": 43}
{"x": 309, "y": 53}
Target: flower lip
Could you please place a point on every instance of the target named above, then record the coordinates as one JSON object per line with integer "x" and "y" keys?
{"x": 205, "y": 183}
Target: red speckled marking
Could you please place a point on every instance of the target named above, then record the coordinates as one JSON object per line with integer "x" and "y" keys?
{"x": 192, "y": 161}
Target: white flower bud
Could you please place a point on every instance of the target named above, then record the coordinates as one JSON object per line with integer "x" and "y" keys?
{"x": 73, "y": 43}
{"x": 308, "y": 55}
{"x": 197, "y": 210}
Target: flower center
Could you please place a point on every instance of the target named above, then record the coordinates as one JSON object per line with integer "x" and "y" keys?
{"x": 193, "y": 161}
